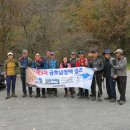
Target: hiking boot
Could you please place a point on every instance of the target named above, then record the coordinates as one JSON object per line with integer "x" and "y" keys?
{"x": 7, "y": 97}
{"x": 55, "y": 94}
{"x": 86, "y": 97}
{"x": 30, "y": 95}
{"x": 91, "y": 95}
{"x": 112, "y": 100}
{"x": 93, "y": 98}
{"x": 13, "y": 95}
{"x": 99, "y": 99}
{"x": 43, "y": 96}
{"x": 107, "y": 98}
{"x": 81, "y": 97}
{"x": 121, "y": 102}
{"x": 24, "y": 95}
{"x": 66, "y": 95}
{"x": 37, "y": 96}
{"x": 72, "y": 96}
{"x": 118, "y": 100}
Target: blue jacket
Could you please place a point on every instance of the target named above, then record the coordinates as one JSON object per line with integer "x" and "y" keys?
{"x": 52, "y": 64}
{"x": 25, "y": 62}
{"x": 46, "y": 60}
{"x": 38, "y": 64}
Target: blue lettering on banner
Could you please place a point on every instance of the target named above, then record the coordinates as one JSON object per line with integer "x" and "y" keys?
{"x": 61, "y": 72}
{"x": 56, "y": 72}
{"x": 65, "y": 72}
{"x": 51, "y": 72}
{"x": 70, "y": 71}
{"x": 77, "y": 70}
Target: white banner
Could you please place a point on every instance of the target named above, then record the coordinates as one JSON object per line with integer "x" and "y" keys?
{"x": 60, "y": 78}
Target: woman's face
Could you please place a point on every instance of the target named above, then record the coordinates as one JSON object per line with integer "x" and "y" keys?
{"x": 65, "y": 60}
{"x": 10, "y": 57}
{"x": 37, "y": 56}
{"x": 81, "y": 55}
{"x": 117, "y": 55}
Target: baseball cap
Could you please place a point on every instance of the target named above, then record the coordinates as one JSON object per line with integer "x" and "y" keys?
{"x": 73, "y": 53}
{"x": 94, "y": 50}
{"x": 10, "y": 53}
{"x": 81, "y": 52}
{"x": 52, "y": 53}
{"x": 37, "y": 54}
{"x": 24, "y": 51}
{"x": 119, "y": 51}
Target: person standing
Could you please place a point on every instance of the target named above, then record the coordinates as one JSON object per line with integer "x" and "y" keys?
{"x": 53, "y": 64}
{"x": 74, "y": 63}
{"x": 98, "y": 67}
{"x": 46, "y": 59}
{"x": 83, "y": 63}
{"x": 110, "y": 74}
{"x": 10, "y": 66}
{"x": 38, "y": 63}
{"x": 90, "y": 65}
{"x": 65, "y": 64}
{"x": 121, "y": 63}
{"x": 25, "y": 62}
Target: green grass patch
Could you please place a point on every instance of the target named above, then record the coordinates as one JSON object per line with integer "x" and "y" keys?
{"x": 128, "y": 66}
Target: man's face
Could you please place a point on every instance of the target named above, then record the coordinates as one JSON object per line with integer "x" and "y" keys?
{"x": 52, "y": 56}
{"x": 48, "y": 53}
{"x": 90, "y": 55}
{"x": 95, "y": 55}
{"x": 25, "y": 54}
{"x": 73, "y": 55}
{"x": 107, "y": 56}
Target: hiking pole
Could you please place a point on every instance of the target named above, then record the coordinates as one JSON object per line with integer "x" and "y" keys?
{"x": 104, "y": 83}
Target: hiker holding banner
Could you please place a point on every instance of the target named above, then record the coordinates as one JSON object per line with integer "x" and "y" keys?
{"x": 53, "y": 64}
{"x": 38, "y": 63}
{"x": 74, "y": 63}
{"x": 83, "y": 93}
{"x": 65, "y": 64}
{"x": 98, "y": 66}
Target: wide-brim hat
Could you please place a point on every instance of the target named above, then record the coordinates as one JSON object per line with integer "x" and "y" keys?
{"x": 107, "y": 51}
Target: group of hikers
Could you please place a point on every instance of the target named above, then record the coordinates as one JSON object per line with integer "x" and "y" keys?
{"x": 109, "y": 67}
